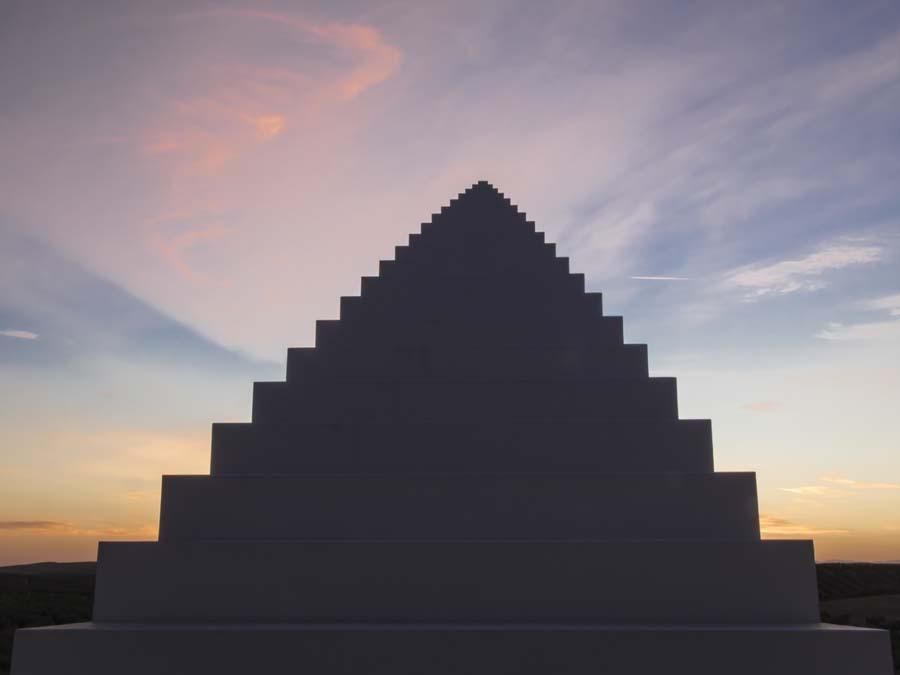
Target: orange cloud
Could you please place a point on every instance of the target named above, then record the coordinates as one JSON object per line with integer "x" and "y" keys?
{"x": 161, "y": 144}
{"x": 192, "y": 152}
{"x": 268, "y": 126}
{"x": 211, "y": 157}
{"x": 859, "y": 485}
{"x": 382, "y": 61}
{"x": 774, "y": 527}
{"x": 232, "y": 107}
{"x": 19, "y": 334}
{"x": 378, "y": 60}
{"x": 833, "y": 487}
{"x": 27, "y": 524}
{"x": 56, "y": 528}
{"x": 175, "y": 249}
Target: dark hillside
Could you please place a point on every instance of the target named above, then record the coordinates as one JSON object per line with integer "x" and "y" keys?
{"x": 43, "y": 594}
{"x": 856, "y": 580}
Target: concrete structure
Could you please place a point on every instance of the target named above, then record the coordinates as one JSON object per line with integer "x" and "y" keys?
{"x": 469, "y": 473}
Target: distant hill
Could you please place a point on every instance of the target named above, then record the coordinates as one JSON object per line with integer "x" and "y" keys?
{"x": 42, "y": 594}
{"x": 856, "y": 580}
{"x": 51, "y": 568}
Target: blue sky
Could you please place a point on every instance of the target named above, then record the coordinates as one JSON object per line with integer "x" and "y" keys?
{"x": 186, "y": 187}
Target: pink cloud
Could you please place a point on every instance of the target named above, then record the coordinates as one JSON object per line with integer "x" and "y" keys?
{"x": 190, "y": 152}
{"x": 378, "y": 60}
{"x": 232, "y": 107}
{"x": 268, "y": 126}
{"x": 175, "y": 249}
{"x": 19, "y": 334}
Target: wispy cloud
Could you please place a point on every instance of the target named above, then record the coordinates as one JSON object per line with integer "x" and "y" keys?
{"x": 193, "y": 152}
{"x": 868, "y": 331}
{"x": 888, "y": 303}
{"x": 176, "y": 248}
{"x": 817, "y": 490}
{"x": 242, "y": 97}
{"x": 377, "y": 59}
{"x": 876, "y": 331}
{"x": 29, "y": 525}
{"x": 64, "y": 529}
{"x": 773, "y": 526}
{"x": 609, "y": 232}
{"x": 730, "y": 207}
{"x": 859, "y": 485}
{"x": 19, "y": 334}
{"x": 838, "y": 486}
{"x": 801, "y": 274}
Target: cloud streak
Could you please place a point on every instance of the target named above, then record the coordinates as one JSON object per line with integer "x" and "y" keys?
{"x": 809, "y": 490}
{"x": 19, "y": 334}
{"x": 876, "y": 331}
{"x": 804, "y": 274}
{"x": 867, "y": 331}
{"x": 888, "y": 303}
{"x": 64, "y": 529}
{"x": 377, "y": 59}
{"x": 838, "y": 486}
{"x": 40, "y": 525}
{"x": 775, "y": 527}
{"x": 859, "y": 485}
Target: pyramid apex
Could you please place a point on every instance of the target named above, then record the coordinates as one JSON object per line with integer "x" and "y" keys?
{"x": 484, "y": 188}
{"x": 483, "y": 185}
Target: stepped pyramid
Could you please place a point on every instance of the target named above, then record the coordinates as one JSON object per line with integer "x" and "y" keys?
{"x": 470, "y": 473}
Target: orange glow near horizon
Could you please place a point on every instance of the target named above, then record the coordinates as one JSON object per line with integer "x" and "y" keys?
{"x": 26, "y": 542}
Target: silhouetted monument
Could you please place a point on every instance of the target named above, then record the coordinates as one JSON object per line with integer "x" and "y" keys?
{"x": 470, "y": 473}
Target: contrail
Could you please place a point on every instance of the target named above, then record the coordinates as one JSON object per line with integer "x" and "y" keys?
{"x": 662, "y": 278}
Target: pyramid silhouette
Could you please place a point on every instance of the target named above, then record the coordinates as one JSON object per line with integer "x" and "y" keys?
{"x": 470, "y": 472}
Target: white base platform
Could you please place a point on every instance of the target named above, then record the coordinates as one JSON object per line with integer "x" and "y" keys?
{"x": 433, "y": 649}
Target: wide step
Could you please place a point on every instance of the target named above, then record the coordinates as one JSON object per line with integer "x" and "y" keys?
{"x": 459, "y": 582}
{"x": 501, "y": 361}
{"x": 342, "y": 649}
{"x": 718, "y": 506}
{"x": 609, "y": 446}
{"x": 446, "y": 400}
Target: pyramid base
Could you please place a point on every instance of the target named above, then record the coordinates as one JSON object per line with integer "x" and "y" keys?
{"x": 350, "y": 649}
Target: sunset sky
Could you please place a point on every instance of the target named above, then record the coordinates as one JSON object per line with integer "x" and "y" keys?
{"x": 185, "y": 187}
